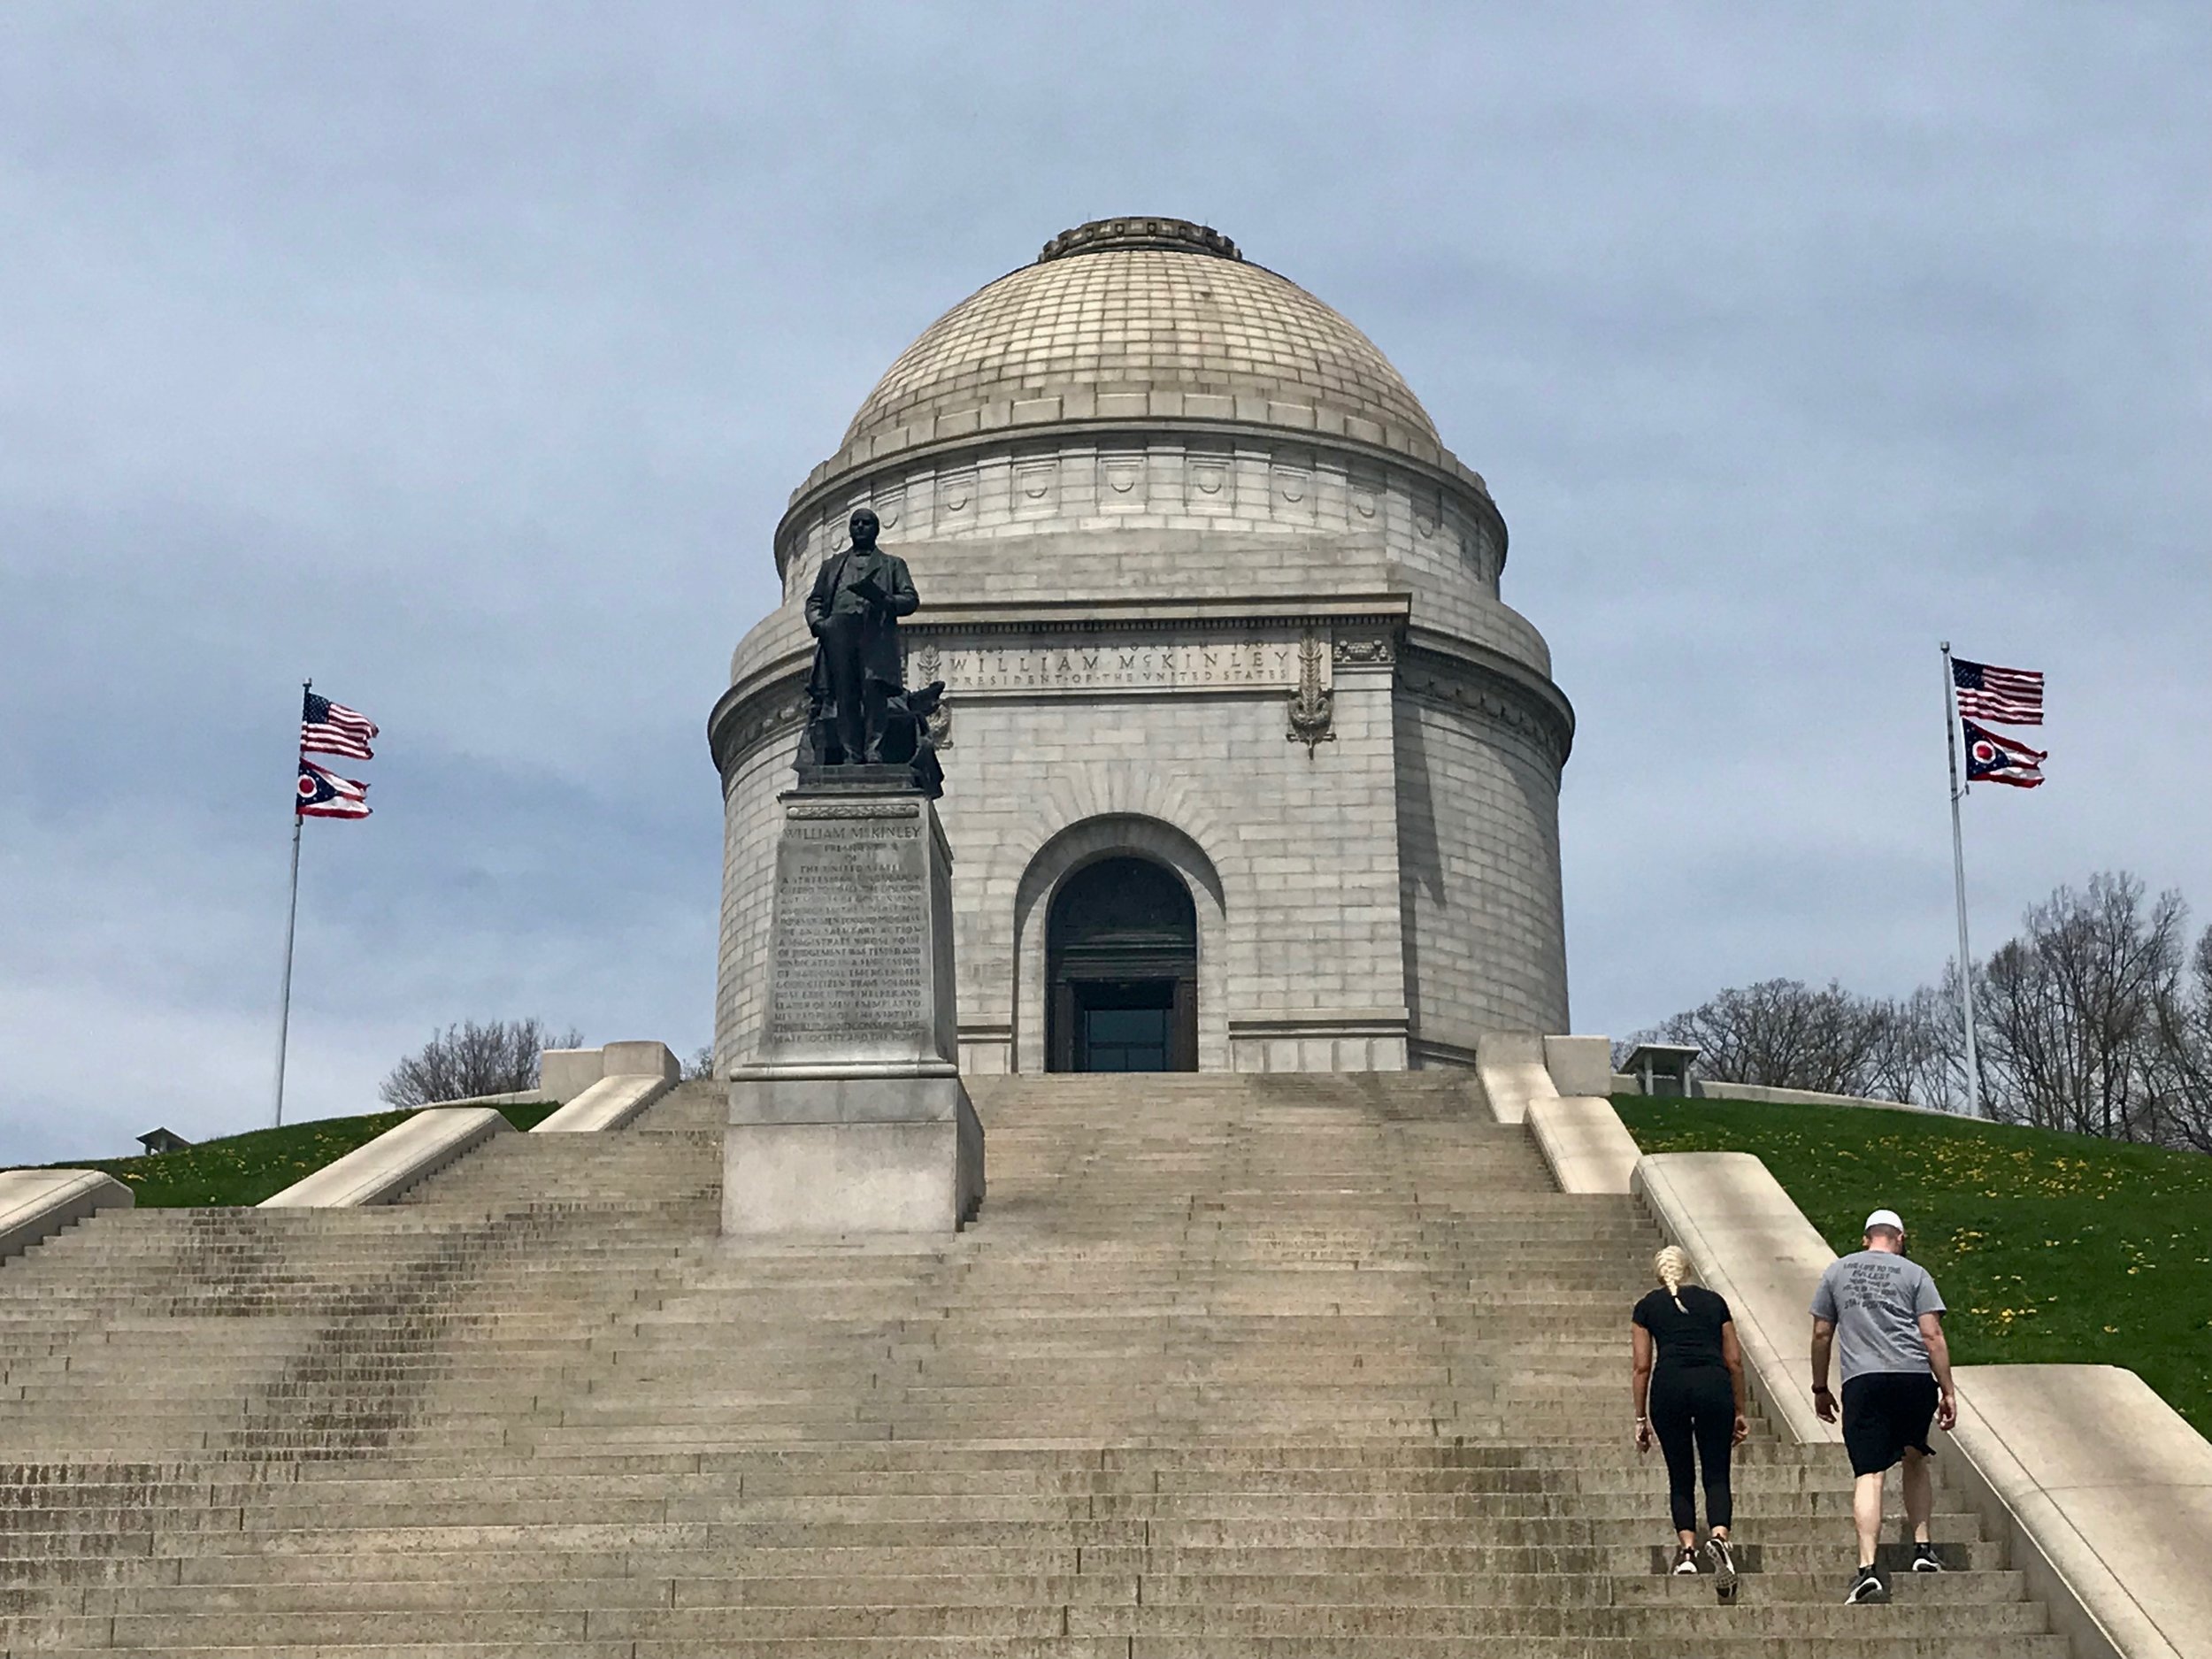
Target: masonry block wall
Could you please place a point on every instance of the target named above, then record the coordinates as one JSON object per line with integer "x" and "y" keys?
{"x": 1204, "y": 587}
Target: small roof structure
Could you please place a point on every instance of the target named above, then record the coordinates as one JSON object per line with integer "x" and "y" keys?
{"x": 1663, "y": 1068}
{"x": 163, "y": 1140}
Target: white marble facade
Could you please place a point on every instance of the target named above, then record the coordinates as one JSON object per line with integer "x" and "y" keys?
{"x": 1204, "y": 588}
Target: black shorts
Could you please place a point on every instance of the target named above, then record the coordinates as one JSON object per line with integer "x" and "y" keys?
{"x": 1883, "y": 1412}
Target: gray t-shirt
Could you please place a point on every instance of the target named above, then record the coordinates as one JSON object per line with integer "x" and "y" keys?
{"x": 1875, "y": 1298}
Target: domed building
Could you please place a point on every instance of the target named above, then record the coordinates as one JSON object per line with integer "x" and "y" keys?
{"x": 1247, "y": 766}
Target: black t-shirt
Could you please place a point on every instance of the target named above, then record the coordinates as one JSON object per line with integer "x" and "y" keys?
{"x": 1687, "y": 1335}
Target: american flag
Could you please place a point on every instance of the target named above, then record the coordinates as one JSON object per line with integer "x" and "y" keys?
{"x": 331, "y": 728}
{"x": 2014, "y": 696}
{"x": 324, "y": 794}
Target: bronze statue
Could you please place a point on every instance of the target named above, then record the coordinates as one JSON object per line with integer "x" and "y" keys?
{"x": 857, "y": 697}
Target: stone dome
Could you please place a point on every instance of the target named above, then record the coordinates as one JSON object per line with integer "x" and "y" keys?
{"x": 1156, "y": 317}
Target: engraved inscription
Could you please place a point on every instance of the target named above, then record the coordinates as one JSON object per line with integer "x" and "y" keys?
{"x": 851, "y": 929}
{"x": 1090, "y": 667}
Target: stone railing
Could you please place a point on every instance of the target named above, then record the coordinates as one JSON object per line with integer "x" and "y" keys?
{"x": 600, "y": 1088}
{"x": 35, "y": 1205}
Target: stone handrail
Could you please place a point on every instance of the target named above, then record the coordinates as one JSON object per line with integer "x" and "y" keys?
{"x": 1529, "y": 1079}
{"x": 565, "y": 1074}
{"x": 396, "y": 1160}
{"x": 2105, "y": 1493}
{"x": 1584, "y": 1142}
{"x": 1513, "y": 1074}
{"x": 604, "y": 1088}
{"x": 609, "y": 1104}
{"x": 35, "y": 1205}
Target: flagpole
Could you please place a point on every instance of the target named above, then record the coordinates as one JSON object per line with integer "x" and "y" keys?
{"x": 1958, "y": 877}
{"x": 291, "y": 921}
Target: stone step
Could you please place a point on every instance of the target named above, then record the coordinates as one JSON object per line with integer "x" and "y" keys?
{"x": 1974, "y": 1562}
{"x": 1052, "y": 1456}
{"x": 862, "y": 1586}
{"x": 269, "y": 1510}
{"x": 1767, "y": 1485}
{"x": 1160, "y": 1647}
{"x": 1285, "y": 1366}
{"x": 1634, "y": 1532}
{"x": 1907, "y": 1619}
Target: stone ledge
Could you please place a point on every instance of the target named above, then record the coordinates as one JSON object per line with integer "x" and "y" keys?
{"x": 512, "y": 1097}
{"x": 1511, "y": 1066}
{"x": 565, "y": 1074}
{"x": 1584, "y": 1143}
{"x": 970, "y": 434}
{"x": 35, "y": 1205}
{"x": 611, "y": 1102}
{"x": 2104, "y": 1492}
{"x": 795, "y": 1180}
{"x": 395, "y": 1161}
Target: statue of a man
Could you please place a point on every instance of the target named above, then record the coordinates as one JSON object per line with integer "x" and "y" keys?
{"x": 858, "y": 597}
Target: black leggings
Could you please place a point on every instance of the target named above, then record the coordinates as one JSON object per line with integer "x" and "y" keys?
{"x": 1694, "y": 1404}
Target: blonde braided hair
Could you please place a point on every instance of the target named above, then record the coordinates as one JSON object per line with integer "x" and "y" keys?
{"x": 1672, "y": 1266}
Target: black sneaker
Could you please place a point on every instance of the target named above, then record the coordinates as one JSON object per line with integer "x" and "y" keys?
{"x": 1684, "y": 1563}
{"x": 1924, "y": 1559}
{"x": 1724, "y": 1560}
{"x": 1868, "y": 1586}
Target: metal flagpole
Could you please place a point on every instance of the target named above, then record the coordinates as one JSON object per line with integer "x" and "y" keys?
{"x": 291, "y": 919}
{"x": 1958, "y": 876}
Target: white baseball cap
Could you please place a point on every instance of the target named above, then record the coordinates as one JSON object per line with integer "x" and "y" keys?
{"x": 1884, "y": 1218}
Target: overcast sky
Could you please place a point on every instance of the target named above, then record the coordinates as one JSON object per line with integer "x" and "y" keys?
{"x": 462, "y": 357}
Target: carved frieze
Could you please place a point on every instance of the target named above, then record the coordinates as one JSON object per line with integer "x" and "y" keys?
{"x": 1361, "y": 650}
{"x": 1467, "y": 689}
{"x": 1108, "y": 662}
{"x": 760, "y": 721}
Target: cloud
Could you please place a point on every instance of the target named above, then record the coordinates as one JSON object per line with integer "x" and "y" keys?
{"x": 463, "y": 358}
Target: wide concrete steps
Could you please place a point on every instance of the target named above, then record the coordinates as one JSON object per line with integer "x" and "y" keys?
{"x": 1278, "y": 1366}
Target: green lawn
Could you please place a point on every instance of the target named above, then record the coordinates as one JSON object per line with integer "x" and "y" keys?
{"x": 2047, "y": 1247}
{"x": 248, "y": 1168}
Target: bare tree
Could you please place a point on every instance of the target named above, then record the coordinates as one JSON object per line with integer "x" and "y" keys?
{"x": 1785, "y": 1034}
{"x": 700, "y": 1066}
{"x": 2072, "y": 1009}
{"x": 2182, "y": 1057}
{"x": 499, "y": 1057}
{"x": 1919, "y": 1053}
{"x": 2096, "y": 1019}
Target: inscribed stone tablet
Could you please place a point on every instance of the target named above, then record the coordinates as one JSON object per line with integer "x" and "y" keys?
{"x": 851, "y": 947}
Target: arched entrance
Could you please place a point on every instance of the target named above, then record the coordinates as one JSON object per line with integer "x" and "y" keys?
{"x": 1121, "y": 968}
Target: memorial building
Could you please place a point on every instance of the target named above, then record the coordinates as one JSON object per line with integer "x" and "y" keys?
{"x": 1247, "y": 765}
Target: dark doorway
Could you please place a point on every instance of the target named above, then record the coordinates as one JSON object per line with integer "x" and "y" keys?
{"x": 1121, "y": 966}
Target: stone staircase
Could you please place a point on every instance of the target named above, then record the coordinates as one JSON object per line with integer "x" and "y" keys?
{"x": 1272, "y": 1367}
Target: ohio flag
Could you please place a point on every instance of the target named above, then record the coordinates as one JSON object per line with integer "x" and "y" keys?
{"x": 1994, "y": 759}
{"x": 324, "y": 794}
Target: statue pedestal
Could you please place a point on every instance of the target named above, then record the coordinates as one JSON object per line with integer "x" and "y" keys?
{"x": 853, "y": 1118}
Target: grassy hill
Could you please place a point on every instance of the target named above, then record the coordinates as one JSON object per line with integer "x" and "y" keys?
{"x": 248, "y": 1168}
{"x": 2048, "y": 1247}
